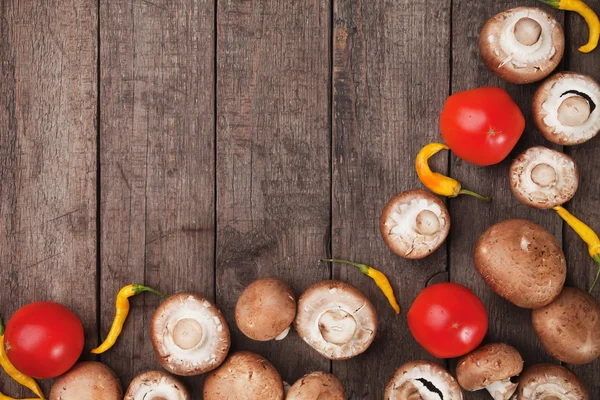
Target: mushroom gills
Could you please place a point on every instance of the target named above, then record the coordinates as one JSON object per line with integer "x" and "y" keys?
{"x": 502, "y": 390}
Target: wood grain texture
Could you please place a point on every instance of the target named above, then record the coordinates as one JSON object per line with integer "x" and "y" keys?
{"x": 157, "y": 162}
{"x": 273, "y": 177}
{"x": 391, "y": 76}
{"x": 507, "y": 322}
{"x": 48, "y": 159}
{"x": 585, "y": 203}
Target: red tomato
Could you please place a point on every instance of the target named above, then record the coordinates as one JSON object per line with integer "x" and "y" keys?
{"x": 448, "y": 320}
{"x": 43, "y": 339}
{"x": 482, "y": 125}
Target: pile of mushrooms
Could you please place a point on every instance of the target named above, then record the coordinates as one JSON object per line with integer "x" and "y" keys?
{"x": 336, "y": 319}
{"x": 422, "y": 380}
{"x": 522, "y": 45}
{"x": 549, "y": 381}
{"x": 522, "y": 262}
{"x": 565, "y": 108}
{"x": 88, "y": 380}
{"x": 189, "y": 334}
{"x": 414, "y": 224}
{"x": 156, "y": 385}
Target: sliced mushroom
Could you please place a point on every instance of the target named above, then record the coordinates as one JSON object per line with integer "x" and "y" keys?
{"x": 522, "y": 45}
{"x": 565, "y": 108}
{"x": 336, "y": 319}
{"x": 156, "y": 385}
{"x": 316, "y": 386}
{"x": 88, "y": 380}
{"x": 266, "y": 310}
{"x": 550, "y": 382}
{"x": 189, "y": 334}
{"x": 543, "y": 178}
{"x": 422, "y": 380}
{"x": 569, "y": 327}
{"x": 490, "y": 367}
{"x": 522, "y": 262}
{"x": 414, "y": 224}
{"x": 244, "y": 376}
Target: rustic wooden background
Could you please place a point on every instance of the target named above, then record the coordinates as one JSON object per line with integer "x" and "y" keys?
{"x": 201, "y": 144}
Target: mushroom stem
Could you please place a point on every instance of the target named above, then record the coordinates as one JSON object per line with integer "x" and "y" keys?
{"x": 502, "y": 390}
{"x": 476, "y": 195}
{"x": 527, "y": 31}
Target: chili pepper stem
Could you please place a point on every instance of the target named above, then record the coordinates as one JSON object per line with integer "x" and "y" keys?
{"x": 476, "y": 195}
{"x": 1, "y": 327}
{"x": 363, "y": 268}
{"x": 137, "y": 288}
{"x": 597, "y": 259}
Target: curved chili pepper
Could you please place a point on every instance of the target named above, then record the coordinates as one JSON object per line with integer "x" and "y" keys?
{"x": 587, "y": 234}
{"x": 438, "y": 183}
{"x": 14, "y": 373}
{"x": 122, "y": 306}
{"x": 380, "y": 279}
{"x": 587, "y": 13}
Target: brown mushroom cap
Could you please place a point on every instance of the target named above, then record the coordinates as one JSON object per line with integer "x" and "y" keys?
{"x": 156, "y": 385}
{"x": 266, "y": 309}
{"x": 522, "y": 45}
{"x": 244, "y": 376}
{"x": 522, "y": 262}
{"x": 422, "y": 380}
{"x": 569, "y": 327}
{"x": 316, "y": 386}
{"x": 336, "y": 319}
{"x": 490, "y": 367}
{"x": 550, "y": 382}
{"x": 566, "y": 108}
{"x": 543, "y": 178}
{"x": 414, "y": 224}
{"x": 189, "y": 335}
{"x": 87, "y": 380}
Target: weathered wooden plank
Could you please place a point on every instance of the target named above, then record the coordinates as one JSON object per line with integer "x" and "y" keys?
{"x": 48, "y": 158}
{"x": 157, "y": 162}
{"x": 470, "y": 217}
{"x": 584, "y": 204}
{"x": 273, "y": 178}
{"x": 391, "y": 76}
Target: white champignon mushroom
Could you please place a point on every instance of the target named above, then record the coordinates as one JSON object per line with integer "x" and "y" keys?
{"x": 316, "y": 386}
{"x": 522, "y": 45}
{"x": 336, "y": 319}
{"x": 550, "y": 382}
{"x": 87, "y": 380}
{"x": 266, "y": 309}
{"x": 490, "y": 367}
{"x": 565, "y": 108}
{"x": 189, "y": 334}
{"x": 414, "y": 224}
{"x": 543, "y": 178}
{"x": 156, "y": 385}
{"x": 422, "y": 380}
{"x": 244, "y": 376}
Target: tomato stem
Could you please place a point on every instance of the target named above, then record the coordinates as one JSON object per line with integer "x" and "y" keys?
{"x": 1, "y": 327}
{"x": 480, "y": 197}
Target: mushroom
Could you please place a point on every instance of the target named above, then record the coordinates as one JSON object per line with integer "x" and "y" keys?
{"x": 316, "y": 386}
{"x": 244, "y": 376}
{"x": 266, "y": 310}
{"x": 522, "y": 45}
{"x": 422, "y": 380}
{"x": 156, "y": 385}
{"x": 189, "y": 335}
{"x": 543, "y": 178}
{"x": 336, "y": 319}
{"x": 89, "y": 380}
{"x": 550, "y": 382}
{"x": 565, "y": 108}
{"x": 414, "y": 224}
{"x": 522, "y": 262}
{"x": 490, "y": 367}
{"x": 569, "y": 327}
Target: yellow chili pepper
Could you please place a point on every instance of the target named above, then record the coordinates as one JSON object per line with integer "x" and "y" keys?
{"x": 587, "y": 234}
{"x": 380, "y": 279}
{"x": 587, "y": 13}
{"x": 438, "y": 183}
{"x": 14, "y": 373}
{"x": 122, "y": 306}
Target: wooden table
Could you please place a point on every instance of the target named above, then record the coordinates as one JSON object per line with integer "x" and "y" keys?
{"x": 197, "y": 145}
